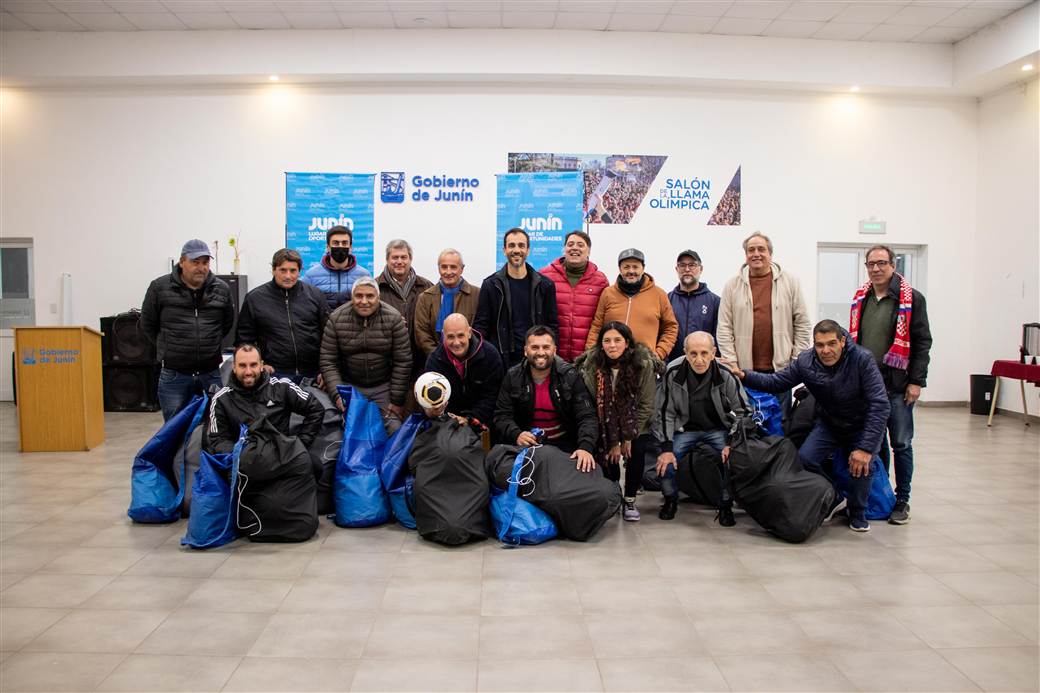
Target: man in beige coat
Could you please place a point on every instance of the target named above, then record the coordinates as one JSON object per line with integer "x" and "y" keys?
{"x": 452, "y": 294}
{"x": 763, "y": 322}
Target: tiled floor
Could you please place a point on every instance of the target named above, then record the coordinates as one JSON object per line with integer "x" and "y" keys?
{"x": 949, "y": 602}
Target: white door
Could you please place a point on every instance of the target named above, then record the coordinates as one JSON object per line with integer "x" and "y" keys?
{"x": 841, "y": 271}
{"x": 837, "y": 280}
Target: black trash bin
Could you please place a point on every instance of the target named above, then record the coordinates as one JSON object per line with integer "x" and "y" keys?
{"x": 982, "y": 393}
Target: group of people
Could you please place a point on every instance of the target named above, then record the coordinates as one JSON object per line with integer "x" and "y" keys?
{"x": 605, "y": 371}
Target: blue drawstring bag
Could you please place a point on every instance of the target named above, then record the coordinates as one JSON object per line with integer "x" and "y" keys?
{"x": 881, "y": 499}
{"x": 394, "y": 470}
{"x": 212, "y": 520}
{"x": 517, "y": 521}
{"x": 767, "y": 412}
{"x": 155, "y": 495}
{"x": 358, "y": 491}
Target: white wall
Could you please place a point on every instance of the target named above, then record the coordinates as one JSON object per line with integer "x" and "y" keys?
{"x": 1006, "y": 258}
{"x": 109, "y": 183}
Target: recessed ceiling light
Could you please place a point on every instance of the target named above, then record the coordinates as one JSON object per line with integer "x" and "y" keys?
{"x": 273, "y": 78}
{"x": 1027, "y": 67}
{"x": 854, "y": 88}
{"x": 420, "y": 20}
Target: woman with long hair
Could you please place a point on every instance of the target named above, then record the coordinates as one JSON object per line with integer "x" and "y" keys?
{"x": 619, "y": 373}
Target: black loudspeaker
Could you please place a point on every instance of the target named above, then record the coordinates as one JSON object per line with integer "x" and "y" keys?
{"x": 124, "y": 342}
{"x": 239, "y": 285}
{"x": 131, "y": 387}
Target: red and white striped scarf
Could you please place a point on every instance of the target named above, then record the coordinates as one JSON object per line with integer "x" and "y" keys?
{"x": 898, "y": 355}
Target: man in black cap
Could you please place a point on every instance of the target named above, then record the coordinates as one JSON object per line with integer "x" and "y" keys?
{"x": 696, "y": 308}
{"x": 187, "y": 313}
{"x": 635, "y": 300}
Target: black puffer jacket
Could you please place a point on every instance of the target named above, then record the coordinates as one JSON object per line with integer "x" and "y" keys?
{"x": 187, "y": 325}
{"x": 473, "y": 395}
{"x": 514, "y": 410}
{"x": 495, "y": 309}
{"x": 275, "y": 398}
{"x": 366, "y": 351}
{"x": 286, "y": 324}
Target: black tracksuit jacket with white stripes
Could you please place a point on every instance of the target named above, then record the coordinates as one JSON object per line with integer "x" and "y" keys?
{"x": 275, "y": 398}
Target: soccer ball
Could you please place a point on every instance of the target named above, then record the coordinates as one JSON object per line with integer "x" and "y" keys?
{"x": 432, "y": 390}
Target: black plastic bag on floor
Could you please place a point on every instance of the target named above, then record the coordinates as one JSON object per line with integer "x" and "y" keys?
{"x": 277, "y": 492}
{"x": 325, "y": 448}
{"x": 768, "y": 481}
{"x": 698, "y": 475}
{"x": 578, "y": 502}
{"x": 451, "y": 489}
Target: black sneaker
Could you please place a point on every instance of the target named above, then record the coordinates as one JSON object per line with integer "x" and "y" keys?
{"x": 900, "y": 514}
{"x": 725, "y": 516}
{"x": 668, "y": 509}
{"x": 858, "y": 524}
{"x": 837, "y": 506}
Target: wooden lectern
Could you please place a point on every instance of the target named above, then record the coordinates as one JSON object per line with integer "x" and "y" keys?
{"x": 60, "y": 398}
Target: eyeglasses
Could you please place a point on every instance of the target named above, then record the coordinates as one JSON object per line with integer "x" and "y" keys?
{"x": 878, "y": 264}
{"x": 688, "y": 265}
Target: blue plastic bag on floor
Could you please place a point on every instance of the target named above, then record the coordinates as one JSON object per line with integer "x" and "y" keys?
{"x": 212, "y": 521}
{"x": 155, "y": 495}
{"x": 767, "y": 411}
{"x": 517, "y": 521}
{"x": 394, "y": 473}
{"x": 361, "y": 500}
{"x": 882, "y": 498}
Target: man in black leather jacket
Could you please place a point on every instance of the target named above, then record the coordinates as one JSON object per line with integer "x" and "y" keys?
{"x": 187, "y": 313}
{"x": 285, "y": 318}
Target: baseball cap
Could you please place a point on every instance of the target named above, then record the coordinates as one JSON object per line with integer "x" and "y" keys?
{"x": 194, "y": 249}
{"x": 691, "y": 253}
{"x": 631, "y": 254}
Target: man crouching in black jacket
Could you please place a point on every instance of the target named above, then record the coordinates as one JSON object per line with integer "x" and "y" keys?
{"x": 545, "y": 392}
{"x": 252, "y": 393}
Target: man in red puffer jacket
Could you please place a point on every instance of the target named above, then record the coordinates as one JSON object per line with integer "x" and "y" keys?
{"x": 578, "y": 286}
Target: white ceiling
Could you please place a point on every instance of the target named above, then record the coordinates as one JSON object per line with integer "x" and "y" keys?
{"x": 918, "y": 21}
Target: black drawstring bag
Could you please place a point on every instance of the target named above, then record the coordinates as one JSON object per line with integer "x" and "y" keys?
{"x": 768, "y": 481}
{"x": 277, "y": 492}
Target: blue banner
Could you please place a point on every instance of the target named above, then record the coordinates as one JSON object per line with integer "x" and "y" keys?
{"x": 546, "y": 205}
{"x": 315, "y": 202}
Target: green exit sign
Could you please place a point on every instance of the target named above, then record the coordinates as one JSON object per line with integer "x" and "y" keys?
{"x": 872, "y": 227}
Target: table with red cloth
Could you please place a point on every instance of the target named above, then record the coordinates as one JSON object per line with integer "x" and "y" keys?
{"x": 1023, "y": 373}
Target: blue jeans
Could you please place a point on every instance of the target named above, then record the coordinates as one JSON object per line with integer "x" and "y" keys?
{"x": 176, "y": 389}
{"x": 901, "y": 435}
{"x": 817, "y": 448}
{"x": 682, "y": 444}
